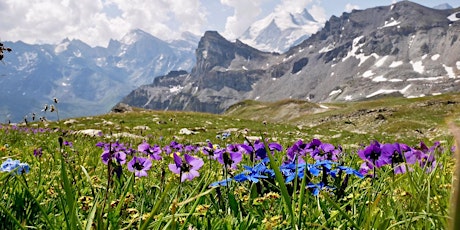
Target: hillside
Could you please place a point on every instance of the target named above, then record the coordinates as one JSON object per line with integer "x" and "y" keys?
{"x": 387, "y": 119}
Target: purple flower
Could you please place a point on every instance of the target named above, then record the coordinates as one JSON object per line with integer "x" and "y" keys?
{"x": 230, "y": 157}
{"x": 187, "y": 168}
{"x": 366, "y": 168}
{"x": 394, "y": 154}
{"x": 153, "y": 151}
{"x": 68, "y": 143}
{"x": 115, "y": 151}
{"x": 38, "y": 152}
{"x": 373, "y": 154}
{"x": 323, "y": 151}
{"x": 261, "y": 152}
{"x": 296, "y": 151}
{"x": 209, "y": 151}
{"x": 140, "y": 166}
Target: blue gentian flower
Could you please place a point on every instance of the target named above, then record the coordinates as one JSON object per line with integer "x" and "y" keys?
{"x": 347, "y": 170}
{"x": 254, "y": 173}
{"x": 14, "y": 166}
{"x": 220, "y": 183}
{"x": 317, "y": 187}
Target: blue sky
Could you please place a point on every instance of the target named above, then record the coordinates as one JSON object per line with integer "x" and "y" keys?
{"x": 97, "y": 21}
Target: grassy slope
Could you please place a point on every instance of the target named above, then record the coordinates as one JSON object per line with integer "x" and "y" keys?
{"x": 387, "y": 119}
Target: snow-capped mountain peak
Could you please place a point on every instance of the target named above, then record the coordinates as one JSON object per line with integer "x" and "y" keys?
{"x": 280, "y": 30}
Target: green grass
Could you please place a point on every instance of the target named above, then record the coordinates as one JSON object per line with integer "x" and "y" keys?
{"x": 69, "y": 187}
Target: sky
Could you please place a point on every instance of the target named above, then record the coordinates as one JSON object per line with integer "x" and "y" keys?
{"x": 95, "y": 22}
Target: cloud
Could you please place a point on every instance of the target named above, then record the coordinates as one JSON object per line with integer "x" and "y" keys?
{"x": 97, "y": 21}
{"x": 349, "y": 7}
{"x": 318, "y": 13}
{"x": 292, "y": 6}
{"x": 245, "y": 13}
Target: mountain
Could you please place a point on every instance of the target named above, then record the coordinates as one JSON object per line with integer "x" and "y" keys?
{"x": 86, "y": 80}
{"x": 444, "y": 6}
{"x": 280, "y": 30}
{"x": 403, "y": 49}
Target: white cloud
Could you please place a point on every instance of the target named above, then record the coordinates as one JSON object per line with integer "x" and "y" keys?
{"x": 245, "y": 13}
{"x": 318, "y": 13}
{"x": 292, "y": 6}
{"x": 97, "y": 21}
{"x": 349, "y": 7}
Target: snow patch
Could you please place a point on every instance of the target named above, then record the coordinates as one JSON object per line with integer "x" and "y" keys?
{"x": 450, "y": 71}
{"x": 61, "y": 47}
{"x": 418, "y": 66}
{"x": 101, "y": 62}
{"x": 257, "y": 98}
{"x": 323, "y": 106}
{"x": 355, "y": 47}
{"x": 425, "y": 79}
{"x": 332, "y": 74}
{"x": 379, "y": 79}
{"x": 453, "y": 17}
{"x": 413, "y": 96}
{"x": 388, "y": 91}
{"x": 368, "y": 74}
{"x": 424, "y": 56}
{"x": 244, "y": 67}
{"x": 77, "y": 53}
{"x": 458, "y": 65}
{"x": 273, "y": 78}
{"x": 333, "y": 92}
{"x": 411, "y": 40}
{"x": 395, "y": 80}
{"x": 435, "y": 57}
{"x": 175, "y": 89}
{"x": 348, "y": 98}
{"x": 396, "y": 64}
{"x": 327, "y": 48}
{"x": 381, "y": 61}
{"x": 390, "y": 23}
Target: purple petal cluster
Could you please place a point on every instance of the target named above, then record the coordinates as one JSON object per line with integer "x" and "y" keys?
{"x": 154, "y": 152}
{"x": 139, "y": 166}
{"x": 114, "y": 151}
{"x": 316, "y": 149}
{"x": 400, "y": 156}
{"x": 187, "y": 168}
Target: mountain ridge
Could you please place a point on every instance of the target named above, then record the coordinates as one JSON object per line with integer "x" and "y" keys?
{"x": 359, "y": 55}
{"x": 87, "y": 80}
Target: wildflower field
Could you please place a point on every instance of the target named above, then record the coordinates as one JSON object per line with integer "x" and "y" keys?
{"x": 383, "y": 164}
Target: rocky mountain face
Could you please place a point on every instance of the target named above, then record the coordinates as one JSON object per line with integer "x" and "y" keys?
{"x": 403, "y": 49}
{"x": 86, "y": 80}
{"x": 279, "y": 31}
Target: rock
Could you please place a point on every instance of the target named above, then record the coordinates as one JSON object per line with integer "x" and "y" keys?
{"x": 89, "y": 132}
{"x": 70, "y": 122}
{"x": 141, "y": 127}
{"x": 122, "y": 108}
{"x": 185, "y": 131}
